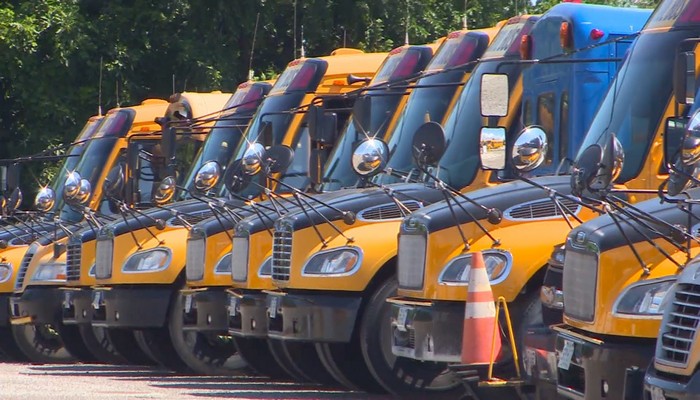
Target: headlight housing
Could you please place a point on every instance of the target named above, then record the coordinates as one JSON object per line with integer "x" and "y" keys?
{"x": 223, "y": 266}
{"x": 5, "y": 272}
{"x": 337, "y": 262}
{"x": 152, "y": 260}
{"x": 50, "y": 272}
{"x": 644, "y": 298}
{"x": 497, "y": 262}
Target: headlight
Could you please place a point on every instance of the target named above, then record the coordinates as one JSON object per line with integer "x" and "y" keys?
{"x": 341, "y": 261}
{"x": 497, "y": 263}
{"x": 239, "y": 261}
{"x": 5, "y": 272}
{"x": 223, "y": 266}
{"x": 266, "y": 268}
{"x": 551, "y": 297}
{"x": 557, "y": 257}
{"x": 644, "y": 298}
{"x": 148, "y": 261}
{"x": 50, "y": 272}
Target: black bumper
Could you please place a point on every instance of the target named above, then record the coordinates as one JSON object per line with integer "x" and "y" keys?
{"x": 247, "y": 314}
{"x": 131, "y": 307}
{"x": 77, "y": 306}
{"x": 205, "y": 310}
{"x": 431, "y": 332}
{"x": 41, "y": 304}
{"x": 598, "y": 370}
{"x": 667, "y": 386}
{"x": 540, "y": 360}
{"x": 312, "y": 317}
{"x": 5, "y": 309}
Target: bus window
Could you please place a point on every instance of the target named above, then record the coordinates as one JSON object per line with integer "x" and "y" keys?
{"x": 563, "y": 126}
{"x": 545, "y": 119}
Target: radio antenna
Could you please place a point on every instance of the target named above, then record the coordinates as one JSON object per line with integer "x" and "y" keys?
{"x": 116, "y": 84}
{"x": 99, "y": 92}
{"x": 252, "y": 49}
{"x": 303, "y": 51}
{"x": 464, "y": 16}
{"x": 294, "y": 32}
{"x": 173, "y": 83}
{"x": 408, "y": 18}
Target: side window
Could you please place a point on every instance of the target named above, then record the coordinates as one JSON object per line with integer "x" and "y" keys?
{"x": 186, "y": 149}
{"x": 564, "y": 126}
{"x": 545, "y": 119}
{"x": 149, "y": 170}
{"x": 297, "y": 175}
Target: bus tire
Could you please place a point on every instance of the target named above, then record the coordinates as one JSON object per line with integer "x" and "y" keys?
{"x": 156, "y": 342}
{"x": 204, "y": 353}
{"x": 8, "y": 346}
{"x": 257, "y": 354}
{"x": 99, "y": 343}
{"x": 300, "y": 361}
{"x": 402, "y": 377}
{"x": 127, "y": 346}
{"x": 345, "y": 362}
{"x": 41, "y": 344}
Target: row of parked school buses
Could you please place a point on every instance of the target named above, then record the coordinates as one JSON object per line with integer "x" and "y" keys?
{"x": 321, "y": 227}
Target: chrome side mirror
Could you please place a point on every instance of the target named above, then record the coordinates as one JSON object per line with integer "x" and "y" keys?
{"x": 71, "y": 186}
{"x": 84, "y": 192}
{"x": 529, "y": 149}
{"x": 252, "y": 160}
{"x": 15, "y": 200}
{"x": 45, "y": 200}
{"x": 114, "y": 182}
{"x": 492, "y": 148}
{"x": 429, "y": 143}
{"x": 165, "y": 191}
{"x": 370, "y": 157}
{"x": 208, "y": 176}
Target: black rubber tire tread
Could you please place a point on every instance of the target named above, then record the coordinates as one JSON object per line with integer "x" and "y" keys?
{"x": 160, "y": 347}
{"x": 9, "y": 350}
{"x": 39, "y": 349}
{"x": 257, "y": 354}
{"x": 73, "y": 342}
{"x": 127, "y": 346}
{"x": 396, "y": 379}
{"x": 199, "y": 352}
{"x": 98, "y": 342}
{"x": 300, "y": 361}
{"x": 345, "y": 362}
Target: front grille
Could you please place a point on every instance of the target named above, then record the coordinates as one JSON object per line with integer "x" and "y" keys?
{"x": 104, "y": 256}
{"x": 681, "y": 324}
{"x": 194, "y": 267}
{"x": 24, "y": 266}
{"x": 388, "y": 211}
{"x": 239, "y": 258}
{"x": 541, "y": 209}
{"x": 281, "y": 254}
{"x": 191, "y": 219}
{"x": 73, "y": 256}
{"x": 411, "y": 263}
{"x": 579, "y": 284}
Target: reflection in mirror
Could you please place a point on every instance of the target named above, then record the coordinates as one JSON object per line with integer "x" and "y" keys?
{"x": 674, "y": 134}
{"x": 84, "y": 192}
{"x": 45, "y": 199}
{"x": 586, "y": 168}
{"x": 165, "y": 191}
{"x": 679, "y": 177}
{"x": 492, "y": 148}
{"x": 616, "y": 153}
{"x": 429, "y": 143}
{"x": 208, "y": 176}
{"x": 370, "y": 157}
{"x": 690, "y": 150}
{"x": 278, "y": 158}
{"x": 114, "y": 182}
{"x": 71, "y": 186}
{"x": 494, "y": 95}
{"x": 529, "y": 149}
{"x": 252, "y": 158}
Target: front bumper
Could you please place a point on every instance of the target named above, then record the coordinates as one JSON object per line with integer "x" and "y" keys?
{"x": 130, "y": 306}
{"x": 247, "y": 314}
{"x": 540, "y": 359}
{"x": 77, "y": 306}
{"x": 659, "y": 386}
{"x": 37, "y": 305}
{"x": 311, "y": 317}
{"x": 431, "y": 331}
{"x": 205, "y": 309}
{"x": 594, "y": 369}
{"x": 5, "y": 309}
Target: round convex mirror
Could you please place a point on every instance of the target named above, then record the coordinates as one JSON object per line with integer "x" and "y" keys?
{"x": 252, "y": 160}
{"x": 278, "y": 158}
{"x": 45, "y": 200}
{"x": 236, "y": 180}
{"x": 208, "y": 176}
{"x": 72, "y": 186}
{"x": 114, "y": 182}
{"x": 165, "y": 191}
{"x": 529, "y": 149}
{"x": 370, "y": 157}
{"x": 84, "y": 192}
{"x": 586, "y": 168}
{"x": 690, "y": 150}
{"x": 428, "y": 143}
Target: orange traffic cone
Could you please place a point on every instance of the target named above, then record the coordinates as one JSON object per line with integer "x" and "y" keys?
{"x": 478, "y": 342}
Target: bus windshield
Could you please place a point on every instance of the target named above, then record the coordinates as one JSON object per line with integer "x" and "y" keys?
{"x": 635, "y": 103}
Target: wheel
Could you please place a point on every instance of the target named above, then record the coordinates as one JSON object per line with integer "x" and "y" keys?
{"x": 127, "y": 346}
{"x": 402, "y": 377}
{"x": 157, "y": 344}
{"x": 41, "y": 344}
{"x": 73, "y": 342}
{"x": 257, "y": 354}
{"x": 99, "y": 343}
{"x": 301, "y": 361}
{"x": 9, "y": 350}
{"x": 204, "y": 353}
{"x": 345, "y": 362}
